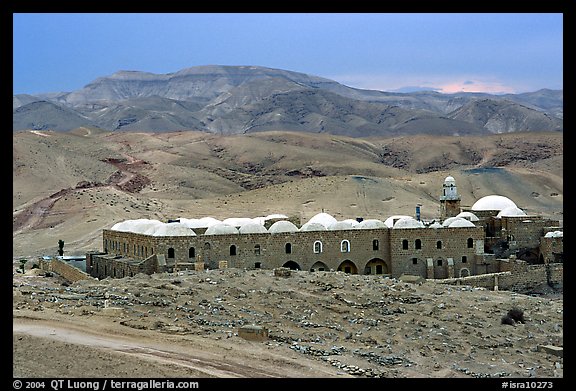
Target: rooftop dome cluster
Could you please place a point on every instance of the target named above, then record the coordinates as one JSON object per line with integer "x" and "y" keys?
{"x": 244, "y": 225}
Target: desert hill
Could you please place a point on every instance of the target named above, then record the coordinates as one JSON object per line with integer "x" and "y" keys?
{"x": 242, "y": 99}
{"x": 71, "y": 185}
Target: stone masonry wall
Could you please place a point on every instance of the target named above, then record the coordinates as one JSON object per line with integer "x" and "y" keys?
{"x": 521, "y": 277}
{"x": 70, "y": 273}
{"x": 454, "y": 244}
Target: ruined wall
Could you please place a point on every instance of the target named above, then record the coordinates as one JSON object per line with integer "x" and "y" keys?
{"x": 521, "y": 277}
{"x": 70, "y": 273}
{"x": 551, "y": 249}
{"x": 102, "y": 266}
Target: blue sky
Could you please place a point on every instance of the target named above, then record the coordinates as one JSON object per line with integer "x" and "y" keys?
{"x": 449, "y": 52}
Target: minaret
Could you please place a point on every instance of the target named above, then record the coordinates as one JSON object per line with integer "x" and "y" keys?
{"x": 450, "y": 199}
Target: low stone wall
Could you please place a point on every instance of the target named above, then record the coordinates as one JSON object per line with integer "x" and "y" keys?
{"x": 70, "y": 273}
{"x": 521, "y": 277}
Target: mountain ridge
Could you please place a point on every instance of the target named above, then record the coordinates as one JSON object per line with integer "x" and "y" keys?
{"x": 230, "y": 99}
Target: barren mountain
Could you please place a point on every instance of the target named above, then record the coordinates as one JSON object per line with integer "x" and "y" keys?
{"x": 499, "y": 116}
{"x": 240, "y": 99}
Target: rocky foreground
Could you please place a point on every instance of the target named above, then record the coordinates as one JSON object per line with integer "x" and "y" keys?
{"x": 354, "y": 325}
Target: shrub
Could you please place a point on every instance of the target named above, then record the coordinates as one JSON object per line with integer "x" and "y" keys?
{"x": 506, "y": 319}
{"x": 516, "y": 314}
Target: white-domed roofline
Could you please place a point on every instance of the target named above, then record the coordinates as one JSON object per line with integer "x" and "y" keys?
{"x": 493, "y": 202}
{"x": 282, "y": 226}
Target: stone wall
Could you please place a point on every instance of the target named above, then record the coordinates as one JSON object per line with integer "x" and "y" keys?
{"x": 551, "y": 249}
{"x": 520, "y": 277}
{"x": 70, "y": 273}
{"x": 460, "y": 245}
{"x": 524, "y": 231}
{"x": 104, "y": 265}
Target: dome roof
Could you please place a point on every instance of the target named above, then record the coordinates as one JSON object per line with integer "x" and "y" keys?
{"x": 323, "y": 218}
{"x": 435, "y": 225}
{"x": 554, "y": 234}
{"x": 282, "y": 226}
{"x": 275, "y": 216}
{"x": 173, "y": 229}
{"x": 237, "y": 221}
{"x": 204, "y": 222}
{"x": 511, "y": 211}
{"x": 408, "y": 222}
{"x": 389, "y": 222}
{"x": 493, "y": 202}
{"x": 221, "y": 229}
{"x": 313, "y": 227}
{"x": 252, "y": 228}
{"x": 141, "y": 226}
{"x": 449, "y": 180}
{"x": 468, "y": 216}
{"x": 344, "y": 224}
{"x": 449, "y": 221}
{"x": 460, "y": 222}
{"x": 370, "y": 224}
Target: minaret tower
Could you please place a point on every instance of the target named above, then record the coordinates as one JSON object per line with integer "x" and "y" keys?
{"x": 450, "y": 199}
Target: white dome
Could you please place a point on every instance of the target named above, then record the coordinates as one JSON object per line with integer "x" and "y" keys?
{"x": 221, "y": 229}
{"x": 468, "y": 216}
{"x": 408, "y": 222}
{"x": 173, "y": 229}
{"x": 511, "y": 211}
{"x": 252, "y": 228}
{"x": 449, "y": 180}
{"x": 275, "y": 216}
{"x": 323, "y": 218}
{"x": 449, "y": 221}
{"x": 237, "y": 221}
{"x": 204, "y": 222}
{"x": 282, "y": 226}
{"x": 389, "y": 222}
{"x": 436, "y": 225}
{"x": 370, "y": 224}
{"x": 313, "y": 227}
{"x": 344, "y": 224}
{"x": 554, "y": 234}
{"x": 459, "y": 222}
{"x": 493, "y": 202}
{"x": 141, "y": 226}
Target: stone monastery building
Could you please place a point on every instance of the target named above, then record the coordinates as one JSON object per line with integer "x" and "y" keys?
{"x": 461, "y": 243}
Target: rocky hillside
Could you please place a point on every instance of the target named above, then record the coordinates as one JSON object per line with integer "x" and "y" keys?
{"x": 320, "y": 324}
{"x": 243, "y": 99}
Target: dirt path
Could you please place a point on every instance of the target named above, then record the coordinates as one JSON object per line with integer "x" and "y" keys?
{"x": 202, "y": 356}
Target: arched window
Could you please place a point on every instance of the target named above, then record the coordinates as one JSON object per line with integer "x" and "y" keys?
{"x": 345, "y": 246}
{"x": 405, "y": 244}
{"x": 439, "y": 244}
{"x": 288, "y": 248}
{"x": 375, "y": 245}
{"x": 317, "y": 247}
{"x": 418, "y": 244}
{"x": 191, "y": 252}
{"x": 170, "y": 252}
{"x": 257, "y": 249}
{"x": 233, "y": 250}
{"x": 206, "y": 246}
{"x": 439, "y": 262}
{"x": 470, "y": 243}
